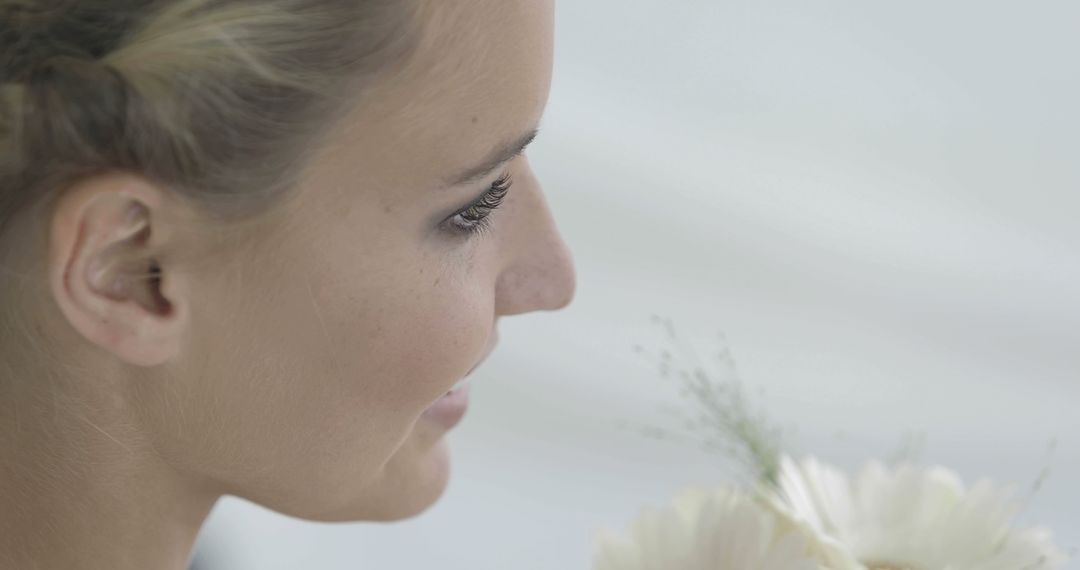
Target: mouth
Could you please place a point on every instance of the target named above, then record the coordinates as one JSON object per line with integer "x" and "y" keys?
{"x": 450, "y": 408}
{"x": 457, "y": 387}
{"x": 465, "y": 379}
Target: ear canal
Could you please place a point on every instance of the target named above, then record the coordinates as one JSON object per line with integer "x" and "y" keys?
{"x": 139, "y": 282}
{"x": 153, "y": 288}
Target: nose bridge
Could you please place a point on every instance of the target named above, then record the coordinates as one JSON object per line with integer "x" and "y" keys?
{"x": 540, "y": 274}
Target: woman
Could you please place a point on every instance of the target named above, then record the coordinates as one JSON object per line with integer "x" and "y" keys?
{"x": 248, "y": 248}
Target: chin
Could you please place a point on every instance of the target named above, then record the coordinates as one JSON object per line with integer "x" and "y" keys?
{"x": 407, "y": 488}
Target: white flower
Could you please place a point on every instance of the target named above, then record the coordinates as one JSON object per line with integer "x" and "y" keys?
{"x": 912, "y": 518}
{"x": 717, "y": 529}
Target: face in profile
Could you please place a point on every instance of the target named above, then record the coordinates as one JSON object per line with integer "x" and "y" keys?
{"x": 307, "y": 367}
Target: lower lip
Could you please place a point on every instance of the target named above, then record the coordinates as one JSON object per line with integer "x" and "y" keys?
{"x": 449, "y": 410}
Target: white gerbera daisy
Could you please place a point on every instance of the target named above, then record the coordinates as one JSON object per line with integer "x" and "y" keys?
{"x": 717, "y": 529}
{"x": 913, "y": 518}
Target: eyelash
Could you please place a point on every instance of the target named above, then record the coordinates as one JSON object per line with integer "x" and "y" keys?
{"x": 479, "y": 221}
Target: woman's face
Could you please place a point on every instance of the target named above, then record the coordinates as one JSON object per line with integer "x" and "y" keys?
{"x": 308, "y": 366}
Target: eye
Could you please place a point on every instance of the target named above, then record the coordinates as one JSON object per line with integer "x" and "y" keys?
{"x": 475, "y": 219}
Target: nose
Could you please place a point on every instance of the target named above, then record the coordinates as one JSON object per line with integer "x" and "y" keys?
{"x": 541, "y": 274}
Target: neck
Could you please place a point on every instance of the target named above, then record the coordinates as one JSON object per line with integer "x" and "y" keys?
{"x": 78, "y": 490}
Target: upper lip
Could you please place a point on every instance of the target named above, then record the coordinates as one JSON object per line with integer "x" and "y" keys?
{"x": 491, "y": 348}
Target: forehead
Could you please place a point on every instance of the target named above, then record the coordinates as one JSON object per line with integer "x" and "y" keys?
{"x": 479, "y": 77}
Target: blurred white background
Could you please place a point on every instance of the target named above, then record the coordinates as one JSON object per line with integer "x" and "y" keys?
{"x": 875, "y": 202}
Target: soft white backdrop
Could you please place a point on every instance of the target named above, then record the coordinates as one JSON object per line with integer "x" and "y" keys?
{"x": 875, "y": 202}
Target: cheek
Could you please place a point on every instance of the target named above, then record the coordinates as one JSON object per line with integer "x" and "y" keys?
{"x": 316, "y": 378}
{"x": 410, "y": 334}
{"x": 390, "y": 346}
{"x": 384, "y": 337}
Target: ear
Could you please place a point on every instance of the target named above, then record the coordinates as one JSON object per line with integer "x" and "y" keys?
{"x": 103, "y": 272}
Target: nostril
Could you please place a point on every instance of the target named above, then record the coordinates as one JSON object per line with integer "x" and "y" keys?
{"x": 568, "y": 279}
{"x": 542, "y": 279}
{"x": 568, "y": 297}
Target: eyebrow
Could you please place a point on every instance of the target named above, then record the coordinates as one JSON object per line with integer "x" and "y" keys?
{"x": 502, "y": 154}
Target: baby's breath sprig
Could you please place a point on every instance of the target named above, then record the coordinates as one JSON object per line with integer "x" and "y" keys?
{"x": 722, "y": 418}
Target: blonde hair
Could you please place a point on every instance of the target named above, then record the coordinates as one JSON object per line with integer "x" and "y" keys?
{"x": 219, "y": 101}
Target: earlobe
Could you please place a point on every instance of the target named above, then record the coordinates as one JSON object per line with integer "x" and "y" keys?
{"x": 103, "y": 272}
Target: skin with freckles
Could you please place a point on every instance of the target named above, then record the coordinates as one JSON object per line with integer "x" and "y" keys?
{"x": 293, "y": 371}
